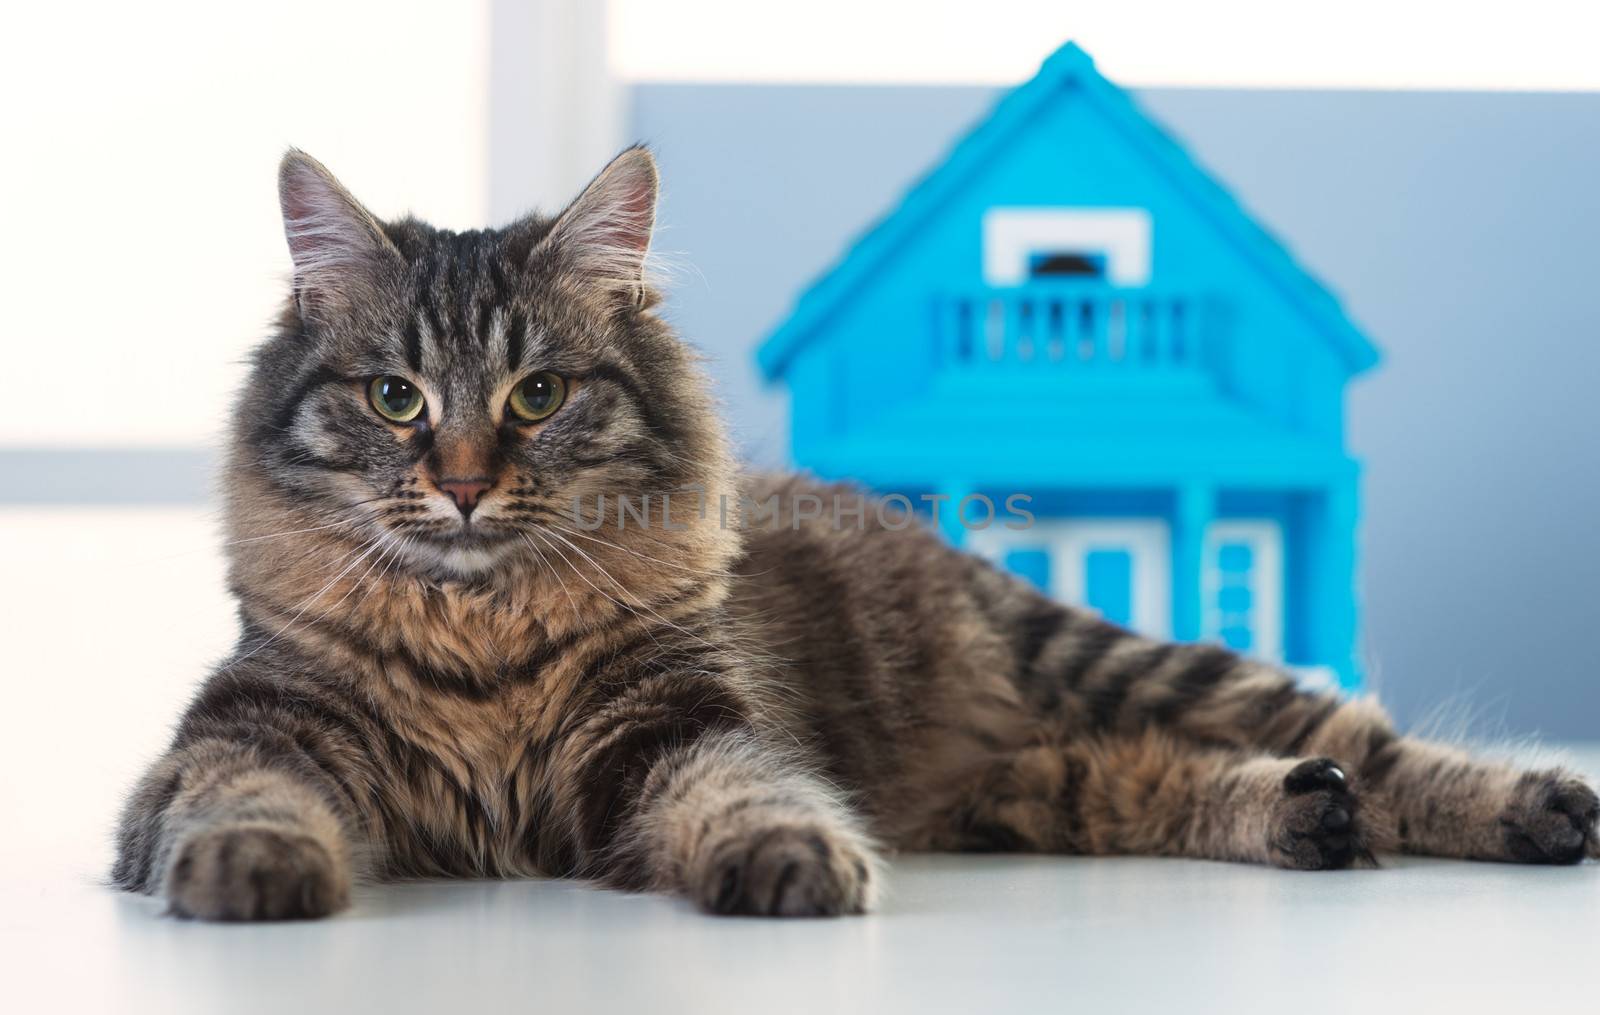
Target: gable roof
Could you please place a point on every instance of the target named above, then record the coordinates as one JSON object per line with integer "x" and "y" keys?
{"x": 1067, "y": 67}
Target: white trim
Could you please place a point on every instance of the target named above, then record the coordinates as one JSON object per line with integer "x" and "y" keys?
{"x": 1012, "y": 235}
{"x": 1265, "y": 537}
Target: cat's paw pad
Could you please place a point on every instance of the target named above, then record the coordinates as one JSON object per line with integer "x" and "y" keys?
{"x": 1316, "y": 824}
{"x": 788, "y": 870}
{"x": 255, "y": 873}
{"x": 1551, "y": 819}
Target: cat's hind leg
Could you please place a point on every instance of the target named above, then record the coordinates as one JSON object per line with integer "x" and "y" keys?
{"x": 1424, "y": 796}
{"x": 1089, "y": 678}
{"x": 1445, "y": 801}
{"x": 1153, "y": 793}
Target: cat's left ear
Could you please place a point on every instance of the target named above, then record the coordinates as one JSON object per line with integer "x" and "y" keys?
{"x": 605, "y": 234}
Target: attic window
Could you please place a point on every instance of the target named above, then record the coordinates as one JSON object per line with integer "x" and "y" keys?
{"x": 1023, "y": 244}
{"x": 1066, "y": 264}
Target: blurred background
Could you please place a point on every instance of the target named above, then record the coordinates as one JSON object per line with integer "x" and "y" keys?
{"x": 1433, "y": 163}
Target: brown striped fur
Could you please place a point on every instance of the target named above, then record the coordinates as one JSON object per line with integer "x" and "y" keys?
{"x": 741, "y": 716}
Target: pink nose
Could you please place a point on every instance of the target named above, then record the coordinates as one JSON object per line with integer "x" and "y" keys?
{"x": 465, "y": 492}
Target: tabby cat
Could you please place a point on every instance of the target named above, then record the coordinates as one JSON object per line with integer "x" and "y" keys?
{"x": 447, "y": 670}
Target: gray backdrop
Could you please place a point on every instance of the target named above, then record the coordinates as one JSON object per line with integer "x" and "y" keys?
{"x": 1460, "y": 229}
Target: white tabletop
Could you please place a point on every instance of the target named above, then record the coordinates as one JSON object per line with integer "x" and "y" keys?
{"x": 88, "y": 701}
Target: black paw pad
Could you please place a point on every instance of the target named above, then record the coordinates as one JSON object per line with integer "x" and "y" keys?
{"x": 1318, "y": 773}
{"x": 1318, "y": 820}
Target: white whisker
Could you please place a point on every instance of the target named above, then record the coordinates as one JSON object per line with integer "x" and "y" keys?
{"x": 306, "y": 604}
{"x": 640, "y": 607}
{"x": 636, "y": 553}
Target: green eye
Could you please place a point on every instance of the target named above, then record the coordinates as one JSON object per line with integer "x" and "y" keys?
{"x": 395, "y": 398}
{"x": 538, "y": 395}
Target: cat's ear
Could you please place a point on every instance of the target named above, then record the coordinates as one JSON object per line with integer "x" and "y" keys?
{"x": 339, "y": 248}
{"x": 604, "y": 235}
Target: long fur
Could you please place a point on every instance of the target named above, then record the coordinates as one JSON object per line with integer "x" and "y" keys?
{"x": 745, "y": 716}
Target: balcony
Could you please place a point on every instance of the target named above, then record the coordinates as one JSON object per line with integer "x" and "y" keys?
{"x": 1075, "y": 327}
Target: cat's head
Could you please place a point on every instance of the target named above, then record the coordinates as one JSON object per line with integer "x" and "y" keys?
{"x": 448, "y": 397}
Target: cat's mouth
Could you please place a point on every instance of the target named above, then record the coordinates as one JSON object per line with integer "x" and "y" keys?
{"x": 462, "y": 551}
{"x": 474, "y": 537}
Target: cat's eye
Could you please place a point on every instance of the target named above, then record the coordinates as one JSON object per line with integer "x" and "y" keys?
{"x": 538, "y": 395}
{"x": 395, "y": 398}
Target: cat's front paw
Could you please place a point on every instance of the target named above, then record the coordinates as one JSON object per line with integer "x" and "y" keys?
{"x": 255, "y": 873}
{"x": 797, "y": 869}
{"x": 1551, "y": 819}
{"x": 1317, "y": 823}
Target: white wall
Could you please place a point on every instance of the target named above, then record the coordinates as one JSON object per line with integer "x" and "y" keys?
{"x": 1532, "y": 44}
{"x": 143, "y": 253}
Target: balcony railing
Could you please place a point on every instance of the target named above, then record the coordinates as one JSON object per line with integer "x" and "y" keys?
{"x": 1083, "y": 327}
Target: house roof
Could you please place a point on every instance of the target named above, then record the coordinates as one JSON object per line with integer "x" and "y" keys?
{"x": 1068, "y": 66}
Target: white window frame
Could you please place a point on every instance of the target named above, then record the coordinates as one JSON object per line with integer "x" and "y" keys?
{"x": 1012, "y": 236}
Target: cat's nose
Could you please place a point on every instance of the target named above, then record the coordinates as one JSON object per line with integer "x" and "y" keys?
{"x": 465, "y": 492}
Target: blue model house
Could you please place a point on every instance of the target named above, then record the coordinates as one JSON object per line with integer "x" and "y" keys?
{"x": 1069, "y": 308}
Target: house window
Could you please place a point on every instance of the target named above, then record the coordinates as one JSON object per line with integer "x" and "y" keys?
{"x": 1108, "y": 584}
{"x": 1022, "y": 244}
{"x": 1118, "y": 567}
{"x": 1031, "y": 563}
{"x": 1066, "y": 264}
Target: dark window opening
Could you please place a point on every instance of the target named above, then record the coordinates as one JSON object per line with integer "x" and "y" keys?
{"x": 1067, "y": 264}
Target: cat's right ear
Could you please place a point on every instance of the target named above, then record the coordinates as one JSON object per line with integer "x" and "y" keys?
{"x": 339, "y": 249}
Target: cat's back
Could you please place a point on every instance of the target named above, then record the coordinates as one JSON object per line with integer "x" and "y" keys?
{"x": 838, "y": 547}
{"x": 877, "y": 625}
